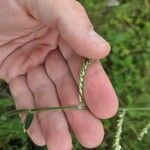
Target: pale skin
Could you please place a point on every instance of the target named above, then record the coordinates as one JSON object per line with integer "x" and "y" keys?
{"x": 42, "y": 46}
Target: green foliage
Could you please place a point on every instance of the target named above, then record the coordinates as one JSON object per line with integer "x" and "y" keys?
{"x": 28, "y": 120}
{"x": 127, "y": 28}
{"x": 11, "y": 135}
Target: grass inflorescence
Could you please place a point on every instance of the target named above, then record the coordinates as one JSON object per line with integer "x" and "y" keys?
{"x": 29, "y": 113}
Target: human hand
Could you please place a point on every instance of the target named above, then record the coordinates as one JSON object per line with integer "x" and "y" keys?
{"x": 42, "y": 45}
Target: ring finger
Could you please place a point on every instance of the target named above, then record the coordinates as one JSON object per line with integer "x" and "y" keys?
{"x": 24, "y": 100}
{"x": 53, "y": 123}
{"x": 86, "y": 127}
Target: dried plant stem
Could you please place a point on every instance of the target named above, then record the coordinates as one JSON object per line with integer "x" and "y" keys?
{"x": 44, "y": 109}
{"x": 116, "y": 143}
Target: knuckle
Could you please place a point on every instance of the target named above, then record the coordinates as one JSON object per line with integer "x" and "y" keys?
{"x": 16, "y": 86}
{"x": 55, "y": 60}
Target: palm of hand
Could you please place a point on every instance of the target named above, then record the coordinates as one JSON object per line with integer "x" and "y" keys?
{"x": 42, "y": 70}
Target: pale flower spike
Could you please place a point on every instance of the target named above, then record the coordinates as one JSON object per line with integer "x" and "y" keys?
{"x": 144, "y": 132}
{"x": 119, "y": 126}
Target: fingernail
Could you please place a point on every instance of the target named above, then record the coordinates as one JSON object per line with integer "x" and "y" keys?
{"x": 97, "y": 39}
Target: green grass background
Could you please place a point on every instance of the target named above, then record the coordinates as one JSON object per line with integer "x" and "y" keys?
{"x": 127, "y": 28}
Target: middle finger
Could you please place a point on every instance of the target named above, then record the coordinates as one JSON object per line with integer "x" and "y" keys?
{"x": 53, "y": 123}
{"x": 86, "y": 127}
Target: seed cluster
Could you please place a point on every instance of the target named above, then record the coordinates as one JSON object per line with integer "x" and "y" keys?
{"x": 116, "y": 143}
{"x": 144, "y": 131}
{"x": 82, "y": 73}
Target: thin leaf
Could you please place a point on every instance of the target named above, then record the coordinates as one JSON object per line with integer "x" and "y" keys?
{"x": 28, "y": 120}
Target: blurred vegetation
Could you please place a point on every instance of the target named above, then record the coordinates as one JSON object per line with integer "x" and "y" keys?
{"x": 127, "y": 28}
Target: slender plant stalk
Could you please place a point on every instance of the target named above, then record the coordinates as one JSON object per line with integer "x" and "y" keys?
{"x": 44, "y": 109}
{"x": 136, "y": 109}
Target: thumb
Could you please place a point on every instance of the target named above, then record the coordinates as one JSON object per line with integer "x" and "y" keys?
{"x": 73, "y": 24}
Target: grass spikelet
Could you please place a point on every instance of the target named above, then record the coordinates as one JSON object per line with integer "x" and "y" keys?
{"x": 82, "y": 73}
{"x": 144, "y": 131}
{"x": 117, "y": 138}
